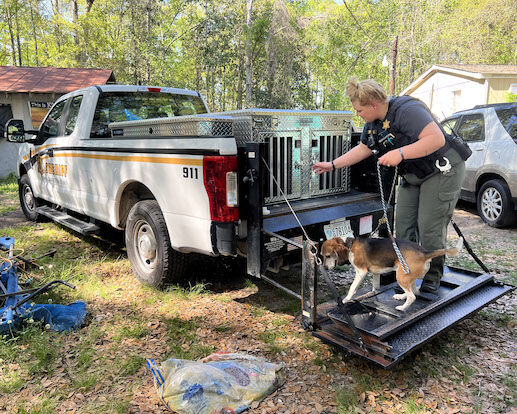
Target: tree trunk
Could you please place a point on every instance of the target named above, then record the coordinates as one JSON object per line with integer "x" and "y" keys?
{"x": 18, "y": 44}
{"x": 11, "y": 33}
{"x": 33, "y": 23}
{"x": 75, "y": 16}
{"x": 393, "y": 65}
{"x": 240, "y": 70}
{"x": 89, "y": 4}
{"x": 249, "y": 68}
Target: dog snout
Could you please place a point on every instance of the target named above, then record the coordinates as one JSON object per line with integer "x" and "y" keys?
{"x": 329, "y": 262}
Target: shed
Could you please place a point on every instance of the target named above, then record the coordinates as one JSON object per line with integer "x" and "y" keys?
{"x": 450, "y": 88}
{"x": 28, "y": 93}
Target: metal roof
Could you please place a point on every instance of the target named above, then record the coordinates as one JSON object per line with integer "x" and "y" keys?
{"x": 499, "y": 69}
{"x": 17, "y": 79}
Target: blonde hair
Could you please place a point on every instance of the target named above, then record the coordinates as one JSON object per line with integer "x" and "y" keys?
{"x": 365, "y": 91}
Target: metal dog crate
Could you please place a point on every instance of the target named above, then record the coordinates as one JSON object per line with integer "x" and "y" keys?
{"x": 295, "y": 140}
{"x": 387, "y": 335}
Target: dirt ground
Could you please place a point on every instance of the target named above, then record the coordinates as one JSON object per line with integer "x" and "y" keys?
{"x": 471, "y": 368}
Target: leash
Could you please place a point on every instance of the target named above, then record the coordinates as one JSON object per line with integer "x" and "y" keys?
{"x": 314, "y": 249}
{"x": 330, "y": 283}
{"x": 468, "y": 248}
{"x": 402, "y": 261}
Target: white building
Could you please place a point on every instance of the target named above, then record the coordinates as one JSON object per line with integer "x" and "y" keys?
{"x": 449, "y": 88}
{"x": 27, "y": 93}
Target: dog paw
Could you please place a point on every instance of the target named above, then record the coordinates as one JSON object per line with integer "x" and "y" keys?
{"x": 400, "y": 308}
{"x": 345, "y": 300}
{"x": 400, "y": 296}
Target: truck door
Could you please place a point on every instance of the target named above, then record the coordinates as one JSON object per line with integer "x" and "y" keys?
{"x": 44, "y": 183}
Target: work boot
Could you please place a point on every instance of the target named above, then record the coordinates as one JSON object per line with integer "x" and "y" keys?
{"x": 430, "y": 285}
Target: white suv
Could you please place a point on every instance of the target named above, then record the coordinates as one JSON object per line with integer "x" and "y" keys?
{"x": 491, "y": 171}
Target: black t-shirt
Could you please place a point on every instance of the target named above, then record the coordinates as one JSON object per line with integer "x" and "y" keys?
{"x": 409, "y": 119}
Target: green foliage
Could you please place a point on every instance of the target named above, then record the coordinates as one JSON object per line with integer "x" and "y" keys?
{"x": 301, "y": 52}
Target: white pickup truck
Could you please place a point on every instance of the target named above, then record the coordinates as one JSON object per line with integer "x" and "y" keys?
{"x": 178, "y": 179}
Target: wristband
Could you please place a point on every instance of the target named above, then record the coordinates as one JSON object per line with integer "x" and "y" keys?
{"x": 402, "y": 154}
{"x": 333, "y": 166}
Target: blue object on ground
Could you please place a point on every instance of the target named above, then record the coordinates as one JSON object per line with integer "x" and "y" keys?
{"x": 18, "y": 305}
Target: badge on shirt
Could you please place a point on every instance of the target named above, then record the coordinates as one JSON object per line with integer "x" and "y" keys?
{"x": 385, "y": 124}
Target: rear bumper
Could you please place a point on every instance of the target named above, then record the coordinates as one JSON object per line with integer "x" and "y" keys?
{"x": 224, "y": 240}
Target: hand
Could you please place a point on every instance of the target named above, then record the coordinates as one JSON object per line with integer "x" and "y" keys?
{"x": 321, "y": 167}
{"x": 391, "y": 158}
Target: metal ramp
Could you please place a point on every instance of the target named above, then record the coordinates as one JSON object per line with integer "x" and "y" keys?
{"x": 67, "y": 220}
{"x": 375, "y": 330}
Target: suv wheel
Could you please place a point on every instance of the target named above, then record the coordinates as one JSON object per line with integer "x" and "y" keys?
{"x": 494, "y": 204}
{"x": 149, "y": 250}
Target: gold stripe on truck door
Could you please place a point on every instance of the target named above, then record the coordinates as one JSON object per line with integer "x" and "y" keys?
{"x": 137, "y": 158}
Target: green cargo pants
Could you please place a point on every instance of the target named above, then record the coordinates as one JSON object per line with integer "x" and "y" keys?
{"x": 425, "y": 208}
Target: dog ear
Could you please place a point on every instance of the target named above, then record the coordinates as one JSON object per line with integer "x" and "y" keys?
{"x": 349, "y": 241}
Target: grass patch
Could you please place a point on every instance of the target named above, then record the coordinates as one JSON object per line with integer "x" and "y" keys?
{"x": 10, "y": 382}
{"x": 413, "y": 407}
{"x": 9, "y": 186}
{"x": 510, "y": 380}
{"x": 187, "y": 293}
{"x": 273, "y": 341}
{"x": 131, "y": 331}
{"x": 346, "y": 401}
{"x": 249, "y": 284}
{"x": 183, "y": 341}
{"x": 47, "y": 406}
{"x": 130, "y": 365}
{"x": 85, "y": 382}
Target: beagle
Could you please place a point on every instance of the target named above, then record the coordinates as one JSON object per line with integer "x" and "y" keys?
{"x": 378, "y": 256}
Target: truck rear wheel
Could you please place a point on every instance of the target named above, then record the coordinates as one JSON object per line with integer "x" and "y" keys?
{"x": 28, "y": 201}
{"x": 152, "y": 258}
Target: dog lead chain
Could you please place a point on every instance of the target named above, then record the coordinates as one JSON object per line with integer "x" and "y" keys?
{"x": 402, "y": 261}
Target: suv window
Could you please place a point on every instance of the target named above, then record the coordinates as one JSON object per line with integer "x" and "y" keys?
{"x": 50, "y": 127}
{"x": 130, "y": 106}
{"x": 472, "y": 127}
{"x": 508, "y": 118}
{"x": 73, "y": 111}
{"x": 449, "y": 125}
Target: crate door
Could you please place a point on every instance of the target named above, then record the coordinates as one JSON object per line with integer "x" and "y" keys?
{"x": 282, "y": 154}
{"x": 327, "y": 146}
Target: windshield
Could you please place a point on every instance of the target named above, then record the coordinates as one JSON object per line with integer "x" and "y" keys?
{"x": 132, "y": 106}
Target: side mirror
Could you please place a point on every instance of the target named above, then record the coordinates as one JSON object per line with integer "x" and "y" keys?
{"x": 15, "y": 130}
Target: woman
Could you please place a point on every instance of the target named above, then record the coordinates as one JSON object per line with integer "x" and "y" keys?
{"x": 402, "y": 132}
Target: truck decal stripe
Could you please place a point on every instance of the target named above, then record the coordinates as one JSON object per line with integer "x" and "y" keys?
{"x": 189, "y": 151}
{"x": 156, "y": 160}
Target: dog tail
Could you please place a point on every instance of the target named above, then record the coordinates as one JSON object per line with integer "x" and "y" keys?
{"x": 453, "y": 251}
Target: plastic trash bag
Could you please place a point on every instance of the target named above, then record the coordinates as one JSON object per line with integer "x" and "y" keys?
{"x": 218, "y": 384}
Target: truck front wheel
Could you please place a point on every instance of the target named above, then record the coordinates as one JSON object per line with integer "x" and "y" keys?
{"x": 28, "y": 201}
{"x": 149, "y": 250}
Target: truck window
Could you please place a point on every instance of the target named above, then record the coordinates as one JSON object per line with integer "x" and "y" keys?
{"x": 50, "y": 127}
{"x": 73, "y": 111}
{"x": 131, "y": 106}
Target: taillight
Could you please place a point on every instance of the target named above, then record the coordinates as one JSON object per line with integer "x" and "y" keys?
{"x": 220, "y": 178}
